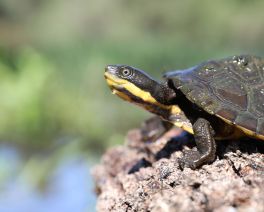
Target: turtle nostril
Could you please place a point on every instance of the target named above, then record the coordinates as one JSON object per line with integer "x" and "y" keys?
{"x": 110, "y": 68}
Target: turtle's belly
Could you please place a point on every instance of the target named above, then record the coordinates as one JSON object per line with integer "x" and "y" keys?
{"x": 186, "y": 126}
{"x": 179, "y": 119}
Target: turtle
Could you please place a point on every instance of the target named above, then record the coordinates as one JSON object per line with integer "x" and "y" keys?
{"x": 220, "y": 99}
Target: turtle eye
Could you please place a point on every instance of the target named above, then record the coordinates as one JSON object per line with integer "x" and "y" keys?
{"x": 126, "y": 72}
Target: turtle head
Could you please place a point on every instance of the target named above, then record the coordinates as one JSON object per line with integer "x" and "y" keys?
{"x": 134, "y": 85}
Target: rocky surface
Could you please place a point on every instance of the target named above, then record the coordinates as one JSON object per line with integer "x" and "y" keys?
{"x": 141, "y": 176}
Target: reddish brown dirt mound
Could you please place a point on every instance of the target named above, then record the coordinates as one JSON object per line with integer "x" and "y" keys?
{"x": 146, "y": 177}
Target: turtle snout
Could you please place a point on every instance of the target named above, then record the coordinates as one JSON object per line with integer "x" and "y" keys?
{"x": 111, "y": 69}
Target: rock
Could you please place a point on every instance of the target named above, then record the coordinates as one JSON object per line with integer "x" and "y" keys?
{"x": 143, "y": 176}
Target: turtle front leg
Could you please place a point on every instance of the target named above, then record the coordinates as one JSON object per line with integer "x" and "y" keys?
{"x": 153, "y": 128}
{"x": 206, "y": 147}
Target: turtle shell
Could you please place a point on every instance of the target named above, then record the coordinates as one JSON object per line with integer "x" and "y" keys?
{"x": 230, "y": 88}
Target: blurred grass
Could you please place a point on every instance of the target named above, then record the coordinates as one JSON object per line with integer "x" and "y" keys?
{"x": 53, "y": 54}
{"x": 54, "y": 101}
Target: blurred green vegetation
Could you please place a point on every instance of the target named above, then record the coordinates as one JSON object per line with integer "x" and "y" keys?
{"x": 54, "y": 101}
{"x": 53, "y": 55}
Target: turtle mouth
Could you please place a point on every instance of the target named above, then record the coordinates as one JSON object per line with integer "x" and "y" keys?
{"x": 113, "y": 81}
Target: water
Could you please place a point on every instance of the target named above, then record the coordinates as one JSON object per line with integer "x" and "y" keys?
{"x": 69, "y": 187}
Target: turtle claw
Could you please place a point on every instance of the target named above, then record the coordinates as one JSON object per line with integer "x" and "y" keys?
{"x": 206, "y": 147}
{"x": 191, "y": 159}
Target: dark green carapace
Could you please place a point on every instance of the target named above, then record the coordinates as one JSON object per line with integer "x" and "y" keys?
{"x": 218, "y": 99}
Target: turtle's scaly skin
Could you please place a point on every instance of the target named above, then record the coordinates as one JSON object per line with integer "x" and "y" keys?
{"x": 231, "y": 88}
{"x": 216, "y": 100}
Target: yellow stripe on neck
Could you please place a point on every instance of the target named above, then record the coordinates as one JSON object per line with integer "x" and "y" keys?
{"x": 134, "y": 90}
{"x": 148, "y": 98}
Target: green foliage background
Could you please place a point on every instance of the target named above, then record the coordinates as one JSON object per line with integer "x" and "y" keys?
{"x": 53, "y": 54}
{"x": 54, "y": 102}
